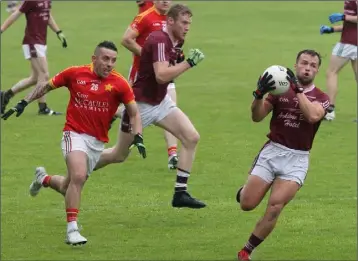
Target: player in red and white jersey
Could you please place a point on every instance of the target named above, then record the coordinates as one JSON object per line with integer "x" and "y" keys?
{"x": 343, "y": 52}
{"x": 156, "y": 69}
{"x": 34, "y": 45}
{"x": 96, "y": 90}
{"x": 144, "y": 5}
{"x": 282, "y": 163}
{"x": 153, "y": 19}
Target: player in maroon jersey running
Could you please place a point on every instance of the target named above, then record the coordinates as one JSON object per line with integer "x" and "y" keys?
{"x": 38, "y": 18}
{"x": 282, "y": 163}
{"x": 156, "y": 69}
{"x": 343, "y": 52}
{"x": 153, "y": 19}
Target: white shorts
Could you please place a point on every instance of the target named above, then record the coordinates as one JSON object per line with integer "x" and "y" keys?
{"x": 72, "y": 141}
{"x": 277, "y": 161}
{"x": 171, "y": 86}
{"x": 150, "y": 114}
{"x": 34, "y": 50}
{"x": 345, "y": 50}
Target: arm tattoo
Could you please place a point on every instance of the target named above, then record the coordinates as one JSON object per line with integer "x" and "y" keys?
{"x": 40, "y": 90}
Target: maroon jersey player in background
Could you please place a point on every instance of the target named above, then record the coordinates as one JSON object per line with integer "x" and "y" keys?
{"x": 343, "y": 52}
{"x": 156, "y": 69}
{"x": 282, "y": 163}
{"x": 38, "y": 18}
{"x": 133, "y": 40}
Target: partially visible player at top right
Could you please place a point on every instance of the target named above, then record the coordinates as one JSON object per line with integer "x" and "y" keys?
{"x": 343, "y": 52}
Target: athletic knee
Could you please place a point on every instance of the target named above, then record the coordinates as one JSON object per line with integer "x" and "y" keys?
{"x": 32, "y": 80}
{"x": 78, "y": 179}
{"x": 192, "y": 138}
{"x": 274, "y": 210}
{"x": 331, "y": 72}
{"x": 247, "y": 204}
{"x": 43, "y": 77}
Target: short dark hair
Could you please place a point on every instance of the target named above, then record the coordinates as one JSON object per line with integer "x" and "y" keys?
{"x": 179, "y": 9}
{"x": 310, "y": 52}
{"x": 108, "y": 45}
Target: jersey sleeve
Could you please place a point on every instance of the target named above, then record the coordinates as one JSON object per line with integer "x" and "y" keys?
{"x": 139, "y": 24}
{"x": 126, "y": 94}
{"x": 160, "y": 49}
{"x": 324, "y": 101}
{"x": 25, "y": 7}
{"x": 271, "y": 99}
{"x": 62, "y": 78}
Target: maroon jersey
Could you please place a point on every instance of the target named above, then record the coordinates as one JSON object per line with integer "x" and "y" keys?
{"x": 37, "y": 17}
{"x": 157, "y": 48}
{"x": 349, "y": 32}
{"x": 288, "y": 126}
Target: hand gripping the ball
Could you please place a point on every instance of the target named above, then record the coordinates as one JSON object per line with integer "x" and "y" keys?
{"x": 195, "y": 56}
{"x": 264, "y": 85}
{"x": 294, "y": 84}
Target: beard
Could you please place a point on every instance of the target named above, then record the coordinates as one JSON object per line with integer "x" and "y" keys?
{"x": 304, "y": 80}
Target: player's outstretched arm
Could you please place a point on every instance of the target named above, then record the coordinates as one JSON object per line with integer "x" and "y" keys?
{"x": 40, "y": 90}
{"x": 10, "y": 20}
{"x": 54, "y": 27}
{"x": 36, "y": 93}
{"x": 129, "y": 41}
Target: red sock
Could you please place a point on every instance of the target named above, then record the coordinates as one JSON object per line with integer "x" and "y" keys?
{"x": 46, "y": 181}
{"x": 172, "y": 150}
{"x": 71, "y": 214}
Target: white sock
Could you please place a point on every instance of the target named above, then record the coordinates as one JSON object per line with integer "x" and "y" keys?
{"x": 72, "y": 226}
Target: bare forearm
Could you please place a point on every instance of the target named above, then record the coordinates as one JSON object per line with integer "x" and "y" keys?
{"x": 309, "y": 110}
{"x": 10, "y": 20}
{"x": 132, "y": 46}
{"x": 40, "y": 90}
{"x": 351, "y": 19}
{"x": 170, "y": 73}
{"x": 258, "y": 112}
{"x": 337, "y": 28}
{"x": 136, "y": 123}
{"x": 52, "y": 24}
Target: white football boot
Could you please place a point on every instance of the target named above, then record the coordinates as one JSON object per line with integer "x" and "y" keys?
{"x": 173, "y": 162}
{"x": 36, "y": 185}
{"x": 330, "y": 116}
{"x": 74, "y": 238}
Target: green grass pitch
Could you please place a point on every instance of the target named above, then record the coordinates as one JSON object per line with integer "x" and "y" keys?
{"x": 126, "y": 212}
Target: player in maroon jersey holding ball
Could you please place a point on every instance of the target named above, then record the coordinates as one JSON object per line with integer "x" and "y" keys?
{"x": 282, "y": 163}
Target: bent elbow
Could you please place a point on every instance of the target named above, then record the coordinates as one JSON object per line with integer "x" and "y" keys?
{"x": 160, "y": 77}
{"x": 125, "y": 41}
{"x": 256, "y": 118}
{"x": 313, "y": 119}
